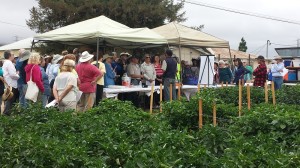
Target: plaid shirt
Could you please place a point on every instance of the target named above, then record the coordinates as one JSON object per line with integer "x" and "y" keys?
{"x": 260, "y": 74}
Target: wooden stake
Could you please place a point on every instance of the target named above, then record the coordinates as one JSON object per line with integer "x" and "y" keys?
{"x": 198, "y": 90}
{"x": 200, "y": 114}
{"x": 160, "y": 97}
{"x": 179, "y": 91}
{"x": 205, "y": 86}
{"x": 226, "y": 84}
{"x": 240, "y": 98}
{"x": 248, "y": 96}
{"x": 214, "y": 114}
{"x": 273, "y": 93}
{"x": 151, "y": 98}
{"x": 171, "y": 91}
{"x": 222, "y": 84}
{"x": 266, "y": 92}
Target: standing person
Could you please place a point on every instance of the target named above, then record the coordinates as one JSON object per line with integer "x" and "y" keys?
{"x": 34, "y": 73}
{"x": 100, "y": 82}
{"x": 77, "y": 54}
{"x": 169, "y": 66}
{"x": 147, "y": 68}
{"x": 1, "y": 84}
{"x": 10, "y": 76}
{"x": 52, "y": 71}
{"x": 48, "y": 60}
{"x": 159, "y": 74}
{"x": 225, "y": 74}
{"x": 277, "y": 72}
{"x": 248, "y": 76}
{"x": 216, "y": 73}
{"x": 109, "y": 77}
{"x": 260, "y": 72}
{"x": 46, "y": 83}
{"x": 239, "y": 72}
{"x": 121, "y": 67}
{"x": 88, "y": 75}
{"x": 65, "y": 87}
{"x": 22, "y": 84}
{"x": 134, "y": 71}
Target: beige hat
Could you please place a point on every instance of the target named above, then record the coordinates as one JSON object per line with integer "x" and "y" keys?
{"x": 85, "y": 56}
{"x": 221, "y": 62}
{"x": 25, "y": 55}
{"x": 124, "y": 53}
{"x": 69, "y": 62}
{"x": 8, "y": 94}
{"x": 277, "y": 58}
{"x": 105, "y": 56}
{"x": 57, "y": 58}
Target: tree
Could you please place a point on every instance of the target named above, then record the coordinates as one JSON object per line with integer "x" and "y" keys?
{"x": 52, "y": 14}
{"x": 199, "y": 28}
{"x": 243, "y": 45}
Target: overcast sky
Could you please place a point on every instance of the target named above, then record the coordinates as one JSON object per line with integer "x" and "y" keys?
{"x": 228, "y": 26}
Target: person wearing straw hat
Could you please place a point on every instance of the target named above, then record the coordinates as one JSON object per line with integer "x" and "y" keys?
{"x": 277, "y": 72}
{"x": 11, "y": 77}
{"x": 88, "y": 75}
{"x": 110, "y": 74}
{"x": 22, "y": 84}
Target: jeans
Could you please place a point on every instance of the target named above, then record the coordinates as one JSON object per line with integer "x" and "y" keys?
{"x": 278, "y": 81}
{"x": 167, "y": 82}
{"x": 22, "y": 91}
{"x": 45, "y": 100}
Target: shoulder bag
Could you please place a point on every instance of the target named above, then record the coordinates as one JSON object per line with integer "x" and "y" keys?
{"x": 32, "y": 89}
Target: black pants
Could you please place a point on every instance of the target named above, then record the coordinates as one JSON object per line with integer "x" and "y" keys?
{"x": 10, "y": 103}
{"x": 156, "y": 96}
{"x": 99, "y": 94}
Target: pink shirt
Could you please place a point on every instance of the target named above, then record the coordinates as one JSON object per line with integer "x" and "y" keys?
{"x": 86, "y": 74}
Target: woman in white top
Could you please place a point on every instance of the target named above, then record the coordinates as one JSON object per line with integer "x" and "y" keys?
{"x": 65, "y": 87}
{"x": 148, "y": 71}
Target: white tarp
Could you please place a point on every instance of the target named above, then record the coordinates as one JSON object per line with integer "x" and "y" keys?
{"x": 177, "y": 34}
{"x": 206, "y": 71}
{"x": 109, "y": 32}
{"x": 25, "y": 43}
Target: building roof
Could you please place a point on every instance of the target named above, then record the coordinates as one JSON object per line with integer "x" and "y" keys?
{"x": 224, "y": 54}
{"x": 25, "y": 43}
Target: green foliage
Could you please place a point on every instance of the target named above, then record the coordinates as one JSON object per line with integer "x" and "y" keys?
{"x": 50, "y": 14}
{"x": 116, "y": 134}
{"x": 243, "y": 45}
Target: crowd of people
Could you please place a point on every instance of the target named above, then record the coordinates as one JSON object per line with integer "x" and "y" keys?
{"x": 245, "y": 73}
{"x": 75, "y": 81}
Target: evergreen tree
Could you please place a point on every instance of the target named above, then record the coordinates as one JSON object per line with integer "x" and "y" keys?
{"x": 52, "y": 14}
{"x": 243, "y": 45}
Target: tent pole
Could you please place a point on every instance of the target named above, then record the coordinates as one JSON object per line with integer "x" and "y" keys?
{"x": 32, "y": 44}
{"x": 97, "y": 57}
{"x": 230, "y": 58}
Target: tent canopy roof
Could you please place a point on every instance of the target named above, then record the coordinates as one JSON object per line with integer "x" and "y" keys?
{"x": 177, "y": 34}
{"x": 25, "y": 43}
{"x": 109, "y": 32}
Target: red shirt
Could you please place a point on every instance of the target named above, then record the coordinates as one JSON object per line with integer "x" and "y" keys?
{"x": 86, "y": 74}
{"x": 158, "y": 70}
{"x": 260, "y": 74}
{"x": 36, "y": 75}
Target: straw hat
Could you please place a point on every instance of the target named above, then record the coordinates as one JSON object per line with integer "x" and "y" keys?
{"x": 25, "y": 55}
{"x": 124, "y": 53}
{"x": 69, "y": 62}
{"x": 277, "y": 58}
{"x": 105, "y": 56}
{"x": 8, "y": 94}
{"x": 221, "y": 62}
{"x": 57, "y": 58}
{"x": 85, "y": 56}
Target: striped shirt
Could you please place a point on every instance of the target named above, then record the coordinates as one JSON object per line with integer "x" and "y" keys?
{"x": 158, "y": 70}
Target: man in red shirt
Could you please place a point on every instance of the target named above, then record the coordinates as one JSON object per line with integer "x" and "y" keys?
{"x": 88, "y": 75}
{"x": 260, "y": 72}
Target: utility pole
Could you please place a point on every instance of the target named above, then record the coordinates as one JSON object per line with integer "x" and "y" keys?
{"x": 268, "y": 43}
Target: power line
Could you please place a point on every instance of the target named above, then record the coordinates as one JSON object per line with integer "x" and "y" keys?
{"x": 13, "y": 24}
{"x": 243, "y": 12}
{"x": 284, "y": 45}
{"x": 258, "y": 48}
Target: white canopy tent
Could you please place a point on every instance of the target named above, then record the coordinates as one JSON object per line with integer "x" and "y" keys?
{"x": 177, "y": 34}
{"x": 103, "y": 31}
{"x": 25, "y": 43}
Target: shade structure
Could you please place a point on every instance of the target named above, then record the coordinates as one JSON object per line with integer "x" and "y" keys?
{"x": 25, "y": 43}
{"x": 178, "y": 34}
{"x": 107, "y": 31}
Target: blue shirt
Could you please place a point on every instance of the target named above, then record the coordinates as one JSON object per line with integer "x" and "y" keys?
{"x": 1, "y": 71}
{"x": 109, "y": 77}
{"x": 276, "y": 68}
{"x": 20, "y": 66}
